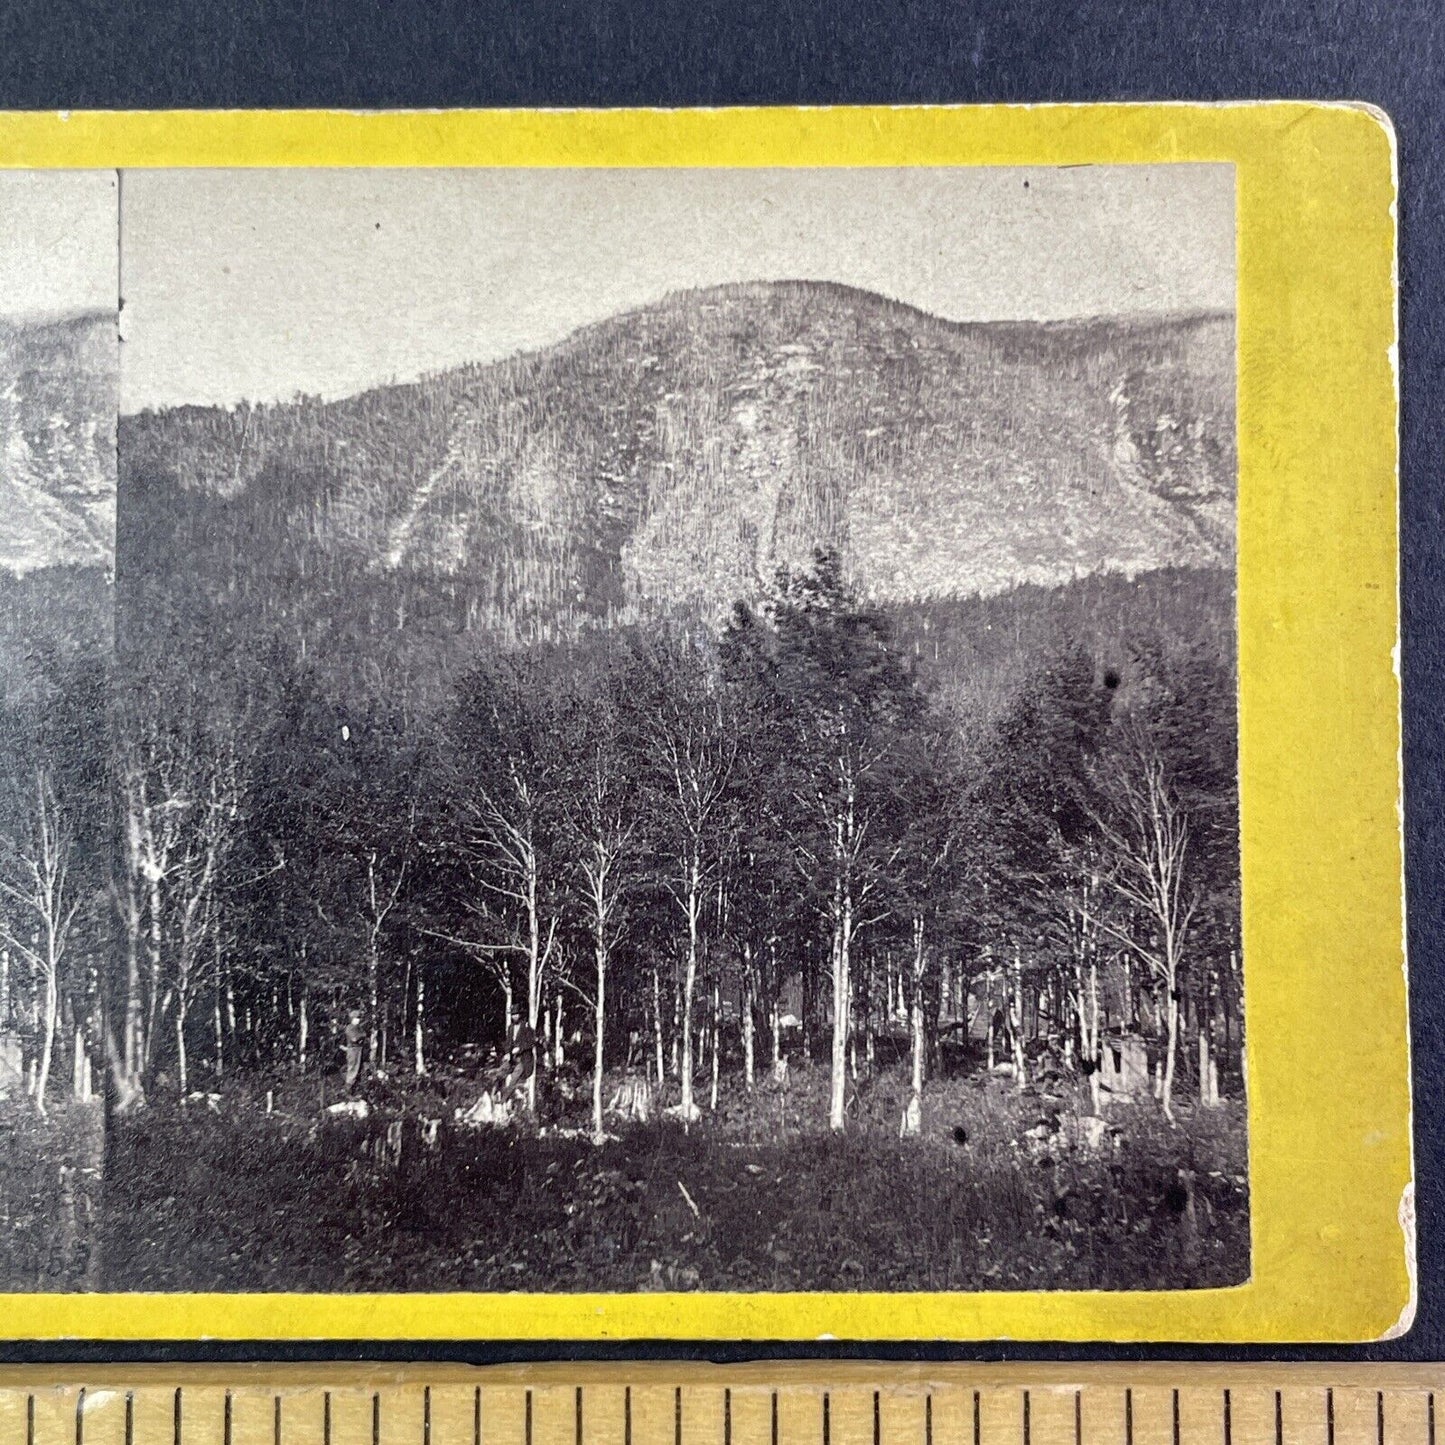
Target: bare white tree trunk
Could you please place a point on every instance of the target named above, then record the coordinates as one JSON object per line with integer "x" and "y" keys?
{"x": 848, "y": 897}
{"x": 47, "y": 1048}
{"x": 716, "y": 1041}
{"x": 913, "y": 1116}
{"x": 657, "y": 1027}
{"x": 373, "y": 1006}
{"x": 837, "y": 1098}
{"x": 218, "y": 1028}
{"x": 420, "y": 1040}
{"x": 689, "y": 983}
{"x": 538, "y": 955}
{"x": 1016, "y": 1023}
{"x": 503, "y": 839}
{"x": 1085, "y": 959}
{"x": 599, "y": 1018}
{"x": 1171, "y": 1049}
{"x": 1243, "y": 1062}
{"x": 155, "y": 963}
{"x": 381, "y": 899}
{"x": 1149, "y": 838}
{"x": 34, "y": 883}
{"x": 748, "y": 1022}
{"x": 1095, "y": 1037}
{"x": 182, "y": 1063}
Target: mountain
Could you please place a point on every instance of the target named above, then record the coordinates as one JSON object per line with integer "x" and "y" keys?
{"x": 675, "y": 456}
{"x": 58, "y": 400}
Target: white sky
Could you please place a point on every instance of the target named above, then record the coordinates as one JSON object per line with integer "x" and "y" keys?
{"x": 264, "y": 283}
{"x": 57, "y": 242}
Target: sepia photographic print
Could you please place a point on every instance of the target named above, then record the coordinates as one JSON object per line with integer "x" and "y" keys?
{"x": 641, "y": 730}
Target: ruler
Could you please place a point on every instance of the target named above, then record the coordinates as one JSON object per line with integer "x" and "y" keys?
{"x": 758, "y": 1404}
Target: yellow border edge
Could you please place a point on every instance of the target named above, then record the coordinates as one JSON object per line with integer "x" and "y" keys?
{"x": 1321, "y": 811}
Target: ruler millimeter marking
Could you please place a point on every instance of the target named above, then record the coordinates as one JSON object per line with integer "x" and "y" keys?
{"x": 753, "y": 1405}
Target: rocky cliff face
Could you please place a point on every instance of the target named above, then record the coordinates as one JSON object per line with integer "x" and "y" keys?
{"x": 58, "y": 401}
{"x": 677, "y": 455}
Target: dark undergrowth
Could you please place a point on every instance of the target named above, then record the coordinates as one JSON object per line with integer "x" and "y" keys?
{"x": 239, "y": 1200}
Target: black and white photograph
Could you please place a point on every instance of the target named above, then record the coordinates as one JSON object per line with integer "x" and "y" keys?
{"x": 644, "y": 730}
{"x": 59, "y": 374}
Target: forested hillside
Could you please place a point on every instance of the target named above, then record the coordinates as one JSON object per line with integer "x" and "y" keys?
{"x": 667, "y": 462}
{"x": 976, "y": 652}
{"x": 676, "y": 456}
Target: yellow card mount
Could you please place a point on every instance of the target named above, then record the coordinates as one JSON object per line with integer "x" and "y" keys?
{"x": 960, "y": 543}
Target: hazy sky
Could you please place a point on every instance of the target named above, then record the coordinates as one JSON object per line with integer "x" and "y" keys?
{"x": 57, "y": 242}
{"x": 264, "y": 283}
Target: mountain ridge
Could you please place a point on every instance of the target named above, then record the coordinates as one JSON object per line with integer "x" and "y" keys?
{"x": 1062, "y": 324}
{"x": 678, "y": 454}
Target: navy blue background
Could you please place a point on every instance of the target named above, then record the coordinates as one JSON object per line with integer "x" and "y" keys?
{"x": 377, "y": 53}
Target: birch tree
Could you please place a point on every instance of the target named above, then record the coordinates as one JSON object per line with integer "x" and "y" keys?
{"x": 1080, "y": 923}
{"x": 1145, "y": 831}
{"x": 509, "y": 778}
{"x": 42, "y": 903}
{"x": 603, "y": 825}
{"x": 691, "y": 747}
{"x": 153, "y": 827}
{"x": 194, "y": 884}
{"x": 371, "y": 838}
{"x": 929, "y": 879}
{"x": 180, "y": 792}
